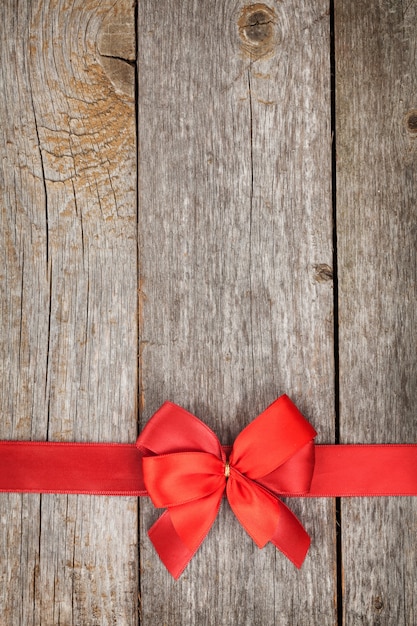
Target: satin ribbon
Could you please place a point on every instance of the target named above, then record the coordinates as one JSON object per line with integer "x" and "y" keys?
{"x": 190, "y": 473}
{"x": 179, "y": 462}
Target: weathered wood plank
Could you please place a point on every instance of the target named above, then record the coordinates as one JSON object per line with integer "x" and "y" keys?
{"x": 235, "y": 260}
{"x": 69, "y": 307}
{"x": 376, "y": 50}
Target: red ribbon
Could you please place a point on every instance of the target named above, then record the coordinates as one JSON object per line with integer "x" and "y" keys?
{"x": 179, "y": 462}
{"x": 190, "y": 473}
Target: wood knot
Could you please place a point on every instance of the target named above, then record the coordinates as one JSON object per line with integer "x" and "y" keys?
{"x": 322, "y": 272}
{"x": 257, "y": 30}
{"x": 411, "y": 122}
{"x": 116, "y": 46}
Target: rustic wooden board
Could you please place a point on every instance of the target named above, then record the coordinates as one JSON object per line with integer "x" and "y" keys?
{"x": 236, "y": 298}
{"x": 234, "y": 280}
{"x": 68, "y": 306}
{"x": 376, "y": 52}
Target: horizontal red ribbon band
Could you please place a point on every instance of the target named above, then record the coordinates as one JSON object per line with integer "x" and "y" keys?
{"x": 115, "y": 469}
{"x": 179, "y": 462}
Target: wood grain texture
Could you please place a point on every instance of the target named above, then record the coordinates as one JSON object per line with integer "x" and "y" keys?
{"x": 69, "y": 307}
{"x": 234, "y": 282}
{"x": 235, "y": 226}
{"x": 376, "y": 53}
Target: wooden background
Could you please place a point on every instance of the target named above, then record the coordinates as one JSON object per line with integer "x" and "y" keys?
{"x": 215, "y": 203}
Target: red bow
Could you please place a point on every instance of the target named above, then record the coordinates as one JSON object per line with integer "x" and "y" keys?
{"x": 187, "y": 471}
{"x": 180, "y": 463}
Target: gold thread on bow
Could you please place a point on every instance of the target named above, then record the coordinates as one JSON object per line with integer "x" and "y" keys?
{"x": 227, "y": 469}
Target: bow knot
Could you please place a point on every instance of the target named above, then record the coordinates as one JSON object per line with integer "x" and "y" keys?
{"x": 185, "y": 470}
{"x": 227, "y": 469}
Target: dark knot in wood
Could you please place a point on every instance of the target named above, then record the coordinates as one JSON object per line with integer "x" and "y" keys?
{"x": 411, "y": 122}
{"x": 322, "y": 272}
{"x": 257, "y": 30}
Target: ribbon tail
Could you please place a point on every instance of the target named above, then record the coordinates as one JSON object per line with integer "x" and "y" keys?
{"x": 181, "y": 529}
{"x": 172, "y": 551}
{"x": 290, "y": 537}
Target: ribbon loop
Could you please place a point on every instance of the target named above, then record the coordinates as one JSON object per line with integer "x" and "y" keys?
{"x": 271, "y": 439}
{"x": 174, "y": 479}
{"x": 185, "y": 469}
